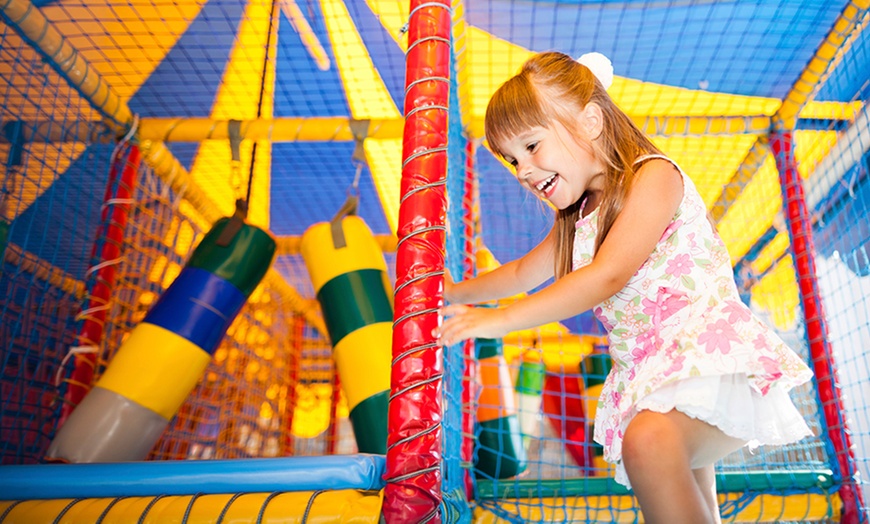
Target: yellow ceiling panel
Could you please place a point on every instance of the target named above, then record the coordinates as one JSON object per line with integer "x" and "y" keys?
{"x": 393, "y": 15}
{"x": 771, "y": 253}
{"x": 238, "y": 98}
{"x": 368, "y": 98}
{"x": 366, "y": 93}
{"x": 211, "y": 172}
{"x": 384, "y": 158}
{"x": 811, "y": 147}
{"x": 833, "y": 110}
{"x": 495, "y": 60}
{"x": 760, "y": 203}
{"x": 645, "y": 98}
{"x": 123, "y": 42}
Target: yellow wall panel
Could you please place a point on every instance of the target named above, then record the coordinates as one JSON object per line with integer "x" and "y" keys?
{"x": 710, "y": 161}
{"x": 384, "y": 157}
{"x": 753, "y": 212}
{"x": 777, "y": 294}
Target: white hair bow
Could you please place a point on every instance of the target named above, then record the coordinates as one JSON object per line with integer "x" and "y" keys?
{"x": 600, "y": 66}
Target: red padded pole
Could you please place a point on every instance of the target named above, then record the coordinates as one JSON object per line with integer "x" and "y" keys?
{"x": 101, "y": 275}
{"x": 413, "y": 463}
{"x": 824, "y": 367}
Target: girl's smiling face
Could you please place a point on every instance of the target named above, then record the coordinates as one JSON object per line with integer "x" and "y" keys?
{"x": 551, "y": 163}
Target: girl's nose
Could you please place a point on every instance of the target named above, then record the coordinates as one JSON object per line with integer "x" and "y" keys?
{"x": 524, "y": 172}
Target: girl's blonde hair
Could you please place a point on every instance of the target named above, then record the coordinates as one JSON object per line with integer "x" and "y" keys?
{"x": 552, "y": 86}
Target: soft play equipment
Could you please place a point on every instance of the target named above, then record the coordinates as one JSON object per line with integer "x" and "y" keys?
{"x": 337, "y": 489}
{"x": 529, "y": 386}
{"x": 500, "y": 452}
{"x": 563, "y": 408}
{"x": 594, "y": 369}
{"x": 349, "y": 275}
{"x": 164, "y": 357}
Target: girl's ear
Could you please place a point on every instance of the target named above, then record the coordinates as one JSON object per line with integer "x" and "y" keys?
{"x": 592, "y": 121}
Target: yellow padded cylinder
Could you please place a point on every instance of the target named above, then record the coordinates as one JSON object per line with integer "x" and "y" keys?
{"x": 364, "y": 373}
{"x": 155, "y": 368}
{"x": 362, "y": 251}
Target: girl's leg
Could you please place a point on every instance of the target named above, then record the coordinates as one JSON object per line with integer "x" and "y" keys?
{"x": 706, "y": 479}
{"x": 660, "y": 452}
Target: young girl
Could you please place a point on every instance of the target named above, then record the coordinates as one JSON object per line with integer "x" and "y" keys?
{"x": 695, "y": 374}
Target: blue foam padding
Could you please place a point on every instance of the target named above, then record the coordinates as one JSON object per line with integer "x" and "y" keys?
{"x": 199, "y": 306}
{"x": 209, "y": 477}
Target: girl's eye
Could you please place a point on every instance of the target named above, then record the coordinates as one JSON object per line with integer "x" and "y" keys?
{"x": 531, "y": 147}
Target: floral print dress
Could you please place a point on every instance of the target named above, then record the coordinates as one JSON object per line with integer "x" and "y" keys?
{"x": 680, "y": 322}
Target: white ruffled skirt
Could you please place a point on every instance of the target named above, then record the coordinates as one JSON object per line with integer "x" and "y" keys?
{"x": 732, "y": 405}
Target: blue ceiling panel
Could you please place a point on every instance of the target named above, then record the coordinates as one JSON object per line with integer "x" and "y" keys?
{"x": 185, "y": 152}
{"x": 185, "y": 83}
{"x": 310, "y": 182}
{"x": 387, "y": 56}
{"x": 301, "y": 87}
{"x": 60, "y": 226}
{"x": 850, "y": 80}
{"x": 741, "y": 47}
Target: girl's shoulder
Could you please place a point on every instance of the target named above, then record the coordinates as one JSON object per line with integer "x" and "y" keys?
{"x": 688, "y": 185}
{"x": 643, "y": 159}
{"x": 691, "y": 204}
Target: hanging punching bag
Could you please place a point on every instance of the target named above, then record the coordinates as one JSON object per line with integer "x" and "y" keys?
{"x": 160, "y": 363}
{"x": 349, "y": 275}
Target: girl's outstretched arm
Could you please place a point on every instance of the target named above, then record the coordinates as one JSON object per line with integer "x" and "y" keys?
{"x": 516, "y": 276}
{"x": 649, "y": 209}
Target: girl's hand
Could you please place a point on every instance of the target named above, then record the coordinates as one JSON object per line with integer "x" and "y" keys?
{"x": 448, "y": 285}
{"x": 462, "y": 322}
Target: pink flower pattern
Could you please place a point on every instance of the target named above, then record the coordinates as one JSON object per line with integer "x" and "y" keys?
{"x": 772, "y": 371}
{"x": 608, "y": 440}
{"x": 719, "y": 336}
{"x": 648, "y": 344}
{"x": 665, "y": 305}
{"x": 677, "y": 365}
{"x": 690, "y": 321}
{"x": 760, "y": 342}
{"x": 737, "y": 312}
{"x": 680, "y": 265}
{"x": 599, "y": 313}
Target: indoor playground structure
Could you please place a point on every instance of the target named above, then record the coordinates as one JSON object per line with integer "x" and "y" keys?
{"x": 224, "y": 227}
